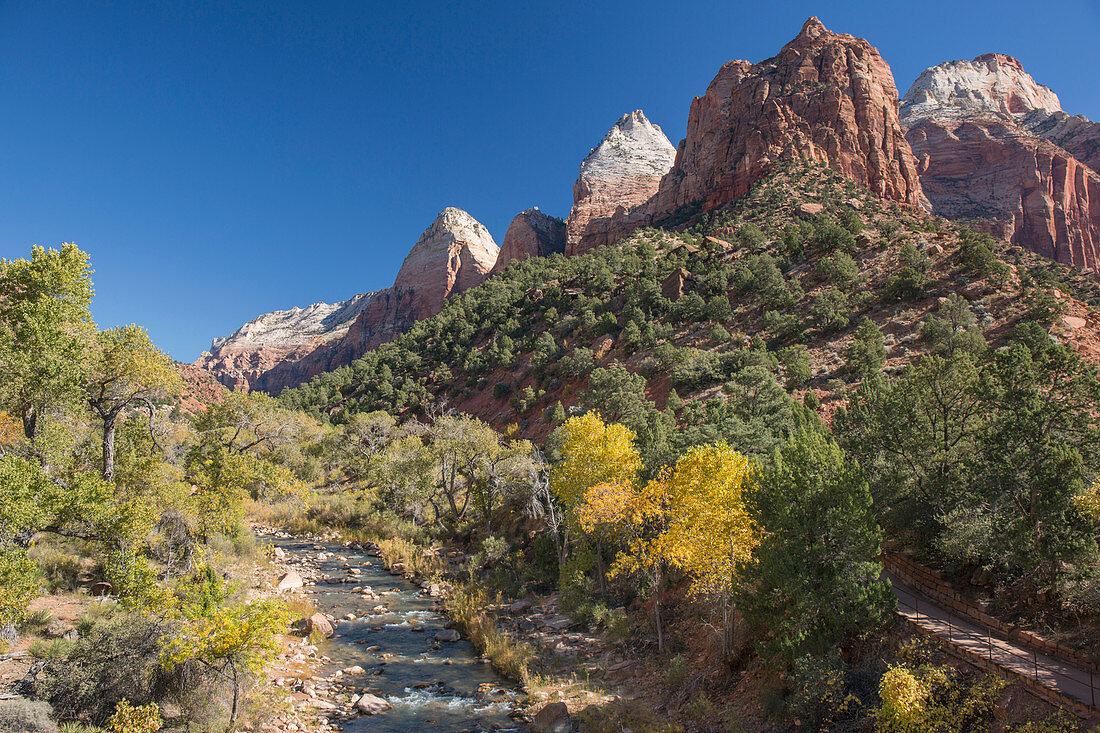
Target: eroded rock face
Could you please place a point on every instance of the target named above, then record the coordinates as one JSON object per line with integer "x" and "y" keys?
{"x": 239, "y": 361}
{"x": 617, "y": 179}
{"x": 826, "y": 96}
{"x": 987, "y": 138}
{"x": 531, "y": 234}
{"x": 455, "y": 253}
{"x": 993, "y": 83}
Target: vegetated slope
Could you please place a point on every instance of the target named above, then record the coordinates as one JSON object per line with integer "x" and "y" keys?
{"x": 779, "y": 279}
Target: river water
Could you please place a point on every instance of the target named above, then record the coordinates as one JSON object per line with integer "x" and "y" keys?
{"x": 432, "y": 685}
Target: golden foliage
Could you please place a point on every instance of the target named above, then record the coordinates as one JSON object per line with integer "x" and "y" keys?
{"x": 904, "y": 702}
{"x": 1088, "y": 502}
{"x": 593, "y": 453}
{"x": 710, "y": 529}
{"x": 10, "y": 428}
{"x": 135, "y": 718}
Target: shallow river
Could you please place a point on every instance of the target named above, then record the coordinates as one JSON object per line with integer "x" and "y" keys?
{"x": 433, "y": 686}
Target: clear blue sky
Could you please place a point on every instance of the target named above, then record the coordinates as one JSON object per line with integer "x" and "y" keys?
{"x": 220, "y": 160}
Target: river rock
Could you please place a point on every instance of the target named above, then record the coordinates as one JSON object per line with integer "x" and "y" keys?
{"x": 290, "y": 580}
{"x": 448, "y": 635}
{"x": 368, "y": 704}
{"x": 553, "y": 718}
{"x": 320, "y": 623}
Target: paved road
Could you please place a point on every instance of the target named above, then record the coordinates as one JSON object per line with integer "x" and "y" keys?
{"x": 1052, "y": 673}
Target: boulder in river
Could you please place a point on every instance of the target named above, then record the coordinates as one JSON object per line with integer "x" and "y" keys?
{"x": 369, "y": 704}
{"x": 318, "y": 622}
{"x": 448, "y": 635}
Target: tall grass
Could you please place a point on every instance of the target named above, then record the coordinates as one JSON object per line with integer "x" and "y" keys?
{"x": 417, "y": 560}
{"x": 509, "y": 657}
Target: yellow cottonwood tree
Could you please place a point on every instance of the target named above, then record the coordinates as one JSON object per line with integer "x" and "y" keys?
{"x": 710, "y": 529}
{"x": 593, "y": 453}
{"x": 635, "y": 516}
{"x": 233, "y": 641}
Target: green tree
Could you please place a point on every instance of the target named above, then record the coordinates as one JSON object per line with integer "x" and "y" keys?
{"x": 867, "y": 351}
{"x": 45, "y": 331}
{"x": 235, "y": 642}
{"x": 797, "y": 368}
{"x": 127, "y": 371}
{"x": 829, "y": 310}
{"x": 813, "y": 585}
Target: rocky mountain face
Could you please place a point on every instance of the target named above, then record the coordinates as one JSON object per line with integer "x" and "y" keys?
{"x": 286, "y": 348}
{"x": 971, "y": 139}
{"x": 827, "y": 97}
{"x": 994, "y": 144}
{"x": 238, "y": 361}
{"x": 617, "y": 179}
{"x": 531, "y": 234}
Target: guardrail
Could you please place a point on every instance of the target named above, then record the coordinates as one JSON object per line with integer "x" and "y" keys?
{"x": 930, "y": 583}
{"x": 1061, "y": 684}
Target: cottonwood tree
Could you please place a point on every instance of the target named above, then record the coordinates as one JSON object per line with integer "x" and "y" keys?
{"x": 710, "y": 531}
{"x": 46, "y": 329}
{"x": 235, "y": 642}
{"x": 633, "y": 516}
{"x": 127, "y": 371}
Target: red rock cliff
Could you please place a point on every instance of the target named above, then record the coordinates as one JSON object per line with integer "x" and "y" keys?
{"x": 986, "y": 137}
{"x": 827, "y": 97}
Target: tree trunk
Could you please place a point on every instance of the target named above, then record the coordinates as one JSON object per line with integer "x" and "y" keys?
{"x": 30, "y": 423}
{"x": 109, "y": 447}
{"x": 657, "y": 613}
{"x": 236, "y": 699}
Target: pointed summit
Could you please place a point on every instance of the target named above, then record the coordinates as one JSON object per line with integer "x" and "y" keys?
{"x": 813, "y": 28}
{"x": 531, "y": 234}
{"x": 455, "y": 253}
{"x": 826, "y": 97}
{"x": 622, "y": 172}
{"x": 992, "y": 83}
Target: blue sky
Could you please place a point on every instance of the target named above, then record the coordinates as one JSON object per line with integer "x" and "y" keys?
{"x": 220, "y": 160}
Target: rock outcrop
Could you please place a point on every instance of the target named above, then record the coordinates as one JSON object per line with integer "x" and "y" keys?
{"x": 991, "y": 84}
{"x": 617, "y": 179}
{"x": 826, "y": 97}
{"x": 531, "y": 234}
{"x": 992, "y": 144}
{"x": 455, "y": 253}
{"x": 239, "y": 361}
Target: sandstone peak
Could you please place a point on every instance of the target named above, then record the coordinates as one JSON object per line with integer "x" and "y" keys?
{"x": 620, "y": 174}
{"x": 531, "y": 234}
{"x": 455, "y": 253}
{"x": 992, "y": 83}
{"x": 826, "y": 97}
{"x": 813, "y": 28}
{"x": 633, "y": 145}
{"x": 240, "y": 359}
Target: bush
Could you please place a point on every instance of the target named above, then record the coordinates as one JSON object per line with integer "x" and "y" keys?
{"x": 831, "y": 237}
{"x": 501, "y": 390}
{"x": 851, "y": 221}
{"x": 906, "y": 285}
{"x": 797, "y": 369}
{"x": 25, "y": 716}
{"x": 135, "y": 719}
{"x": 829, "y": 310}
{"x": 118, "y": 659}
{"x": 840, "y": 269}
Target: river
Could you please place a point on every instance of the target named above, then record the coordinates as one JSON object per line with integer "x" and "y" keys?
{"x": 432, "y": 685}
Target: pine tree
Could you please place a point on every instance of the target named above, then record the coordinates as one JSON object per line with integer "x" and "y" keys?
{"x": 814, "y": 584}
